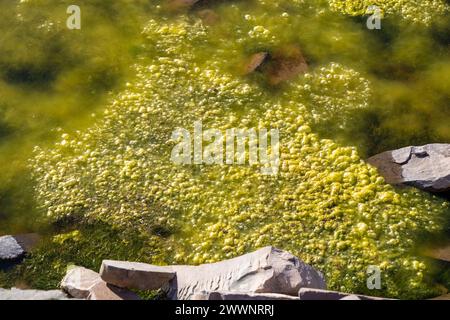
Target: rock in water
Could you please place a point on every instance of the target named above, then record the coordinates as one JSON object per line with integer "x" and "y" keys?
{"x": 255, "y": 61}
{"x": 78, "y": 282}
{"x": 10, "y": 249}
{"x": 28, "y": 241}
{"x": 426, "y": 167}
{"x": 440, "y": 253}
{"x": 286, "y": 64}
{"x": 82, "y": 283}
{"x": 268, "y": 270}
{"x": 17, "y": 294}
{"x": 136, "y": 275}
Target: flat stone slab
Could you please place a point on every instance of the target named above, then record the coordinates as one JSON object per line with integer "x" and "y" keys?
{"x": 216, "y": 295}
{"x": 315, "y": 294}
{"x": 136, "y": 275}
{"x": 424, "y": 167}
{"x": 10, "y": 249}
{"x": 18, "y": 294}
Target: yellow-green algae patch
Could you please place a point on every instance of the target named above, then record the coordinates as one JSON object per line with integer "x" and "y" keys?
{"x": 326, "y": 206}
{"x": 415, "y": 11}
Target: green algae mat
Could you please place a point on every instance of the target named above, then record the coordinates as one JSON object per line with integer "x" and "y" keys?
{"x": 88, "y": 116}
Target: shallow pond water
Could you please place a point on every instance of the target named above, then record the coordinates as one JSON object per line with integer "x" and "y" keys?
{"x": 365, "y": 91}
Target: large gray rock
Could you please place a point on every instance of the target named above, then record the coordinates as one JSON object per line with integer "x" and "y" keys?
{"x": 82, "y": 283}
{"x": 10, "y": 249}
{"x": 426, "y": 167}
{"x": 315, "y": 294}
{"x": 268, "y": 270}
{"x": 216, "y": 295}
{"x": 18, "y": 294}
{"x": 78, "y": 282}
{"x": 136, "y": 275}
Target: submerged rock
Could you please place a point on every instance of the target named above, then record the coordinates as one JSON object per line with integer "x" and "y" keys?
{"x": 14, "y": 248}
{"x": 208, "y": 16}
{"x": 268, "y": 270}
{"x": 18, "y": 294}
{"x": 425, "y": 167}
{"x": 281, "y": 65}
{"x": 286, "y": 64}
{"x": 28, "y": 240}
{"x": 10, "y": 249}
{"x": 440, "y": 253}
{"x": 255, "y": 61}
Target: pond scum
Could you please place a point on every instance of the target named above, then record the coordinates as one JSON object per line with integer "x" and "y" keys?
{"x": 117, "y": 193}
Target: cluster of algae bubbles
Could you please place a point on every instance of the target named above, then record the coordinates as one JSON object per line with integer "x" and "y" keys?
{"x": 326, "y": 205}
{"x": 416, "y": 11}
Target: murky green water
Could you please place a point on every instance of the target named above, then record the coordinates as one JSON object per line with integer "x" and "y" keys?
{"x": 369, "y": 90}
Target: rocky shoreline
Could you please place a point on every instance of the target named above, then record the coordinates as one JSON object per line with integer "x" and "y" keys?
{"x": 266, "y": 274}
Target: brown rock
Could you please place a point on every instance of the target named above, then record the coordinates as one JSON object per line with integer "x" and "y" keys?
{"x": 286, "y": 64}
{"x": 208, "y": 16}
{"x": 180, "y": 4}
{"x": 135, "y": 275}
{"x": 104, "y": 291}
{"x": 255, "y": 61}
{"x": 28, "y": 241}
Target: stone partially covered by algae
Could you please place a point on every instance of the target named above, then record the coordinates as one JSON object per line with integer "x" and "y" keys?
{"x": 326, "y": 206}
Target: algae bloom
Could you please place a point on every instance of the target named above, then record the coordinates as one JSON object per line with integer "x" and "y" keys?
{"x": 326, "y": 205}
